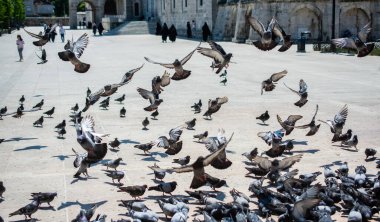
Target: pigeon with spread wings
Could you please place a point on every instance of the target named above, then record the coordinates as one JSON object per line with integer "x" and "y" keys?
{"x": 200, "y": 176}
{"x": 286, "y": 41}
{"x": 42, "y": 39}
{"x": 336, "y": 125}
{"x": 159, "y": 82}
{"x": 302, "y": 93}
{"x": 357, "y": 42}
{"x": 221, "y": 58}
{"x": 73, "y": 51}
{"x": 42, "y": 57}
{"x": 172, "y": 144}
{"x": 214, "y": 106}
{"x": 267, "y": 41}
{"x": 180, "y": 72}
{"x": 153, "y": 98}
{"x": 269, "y": 84}
{"x": 288, "y": 124}
{"x": 109, "y": 89}
{"x": 313, "y": 127}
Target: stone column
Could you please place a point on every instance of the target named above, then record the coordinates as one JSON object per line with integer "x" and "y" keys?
{"x": 73, "y": 14}
{"x": 240, "y": 27}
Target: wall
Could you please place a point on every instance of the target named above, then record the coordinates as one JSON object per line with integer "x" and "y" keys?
{"x": 37, "y": 21}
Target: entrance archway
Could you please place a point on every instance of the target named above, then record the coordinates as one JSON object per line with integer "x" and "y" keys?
{"x": 306, "y": 19}
{"x": 352, "y": 21}
{"x": 136, "y": 9}
{"x": 85, "y": 14}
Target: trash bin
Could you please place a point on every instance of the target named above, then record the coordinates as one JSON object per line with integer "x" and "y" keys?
{"x": 301, "y": 43}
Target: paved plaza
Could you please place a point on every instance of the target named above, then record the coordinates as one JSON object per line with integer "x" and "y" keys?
{"x": 33, "y": 159}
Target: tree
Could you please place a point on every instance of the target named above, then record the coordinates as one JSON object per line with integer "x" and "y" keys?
{"x": 61, "y": 7}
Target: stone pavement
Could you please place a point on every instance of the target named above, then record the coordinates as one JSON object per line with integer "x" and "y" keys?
{"x": 35, "y": 160}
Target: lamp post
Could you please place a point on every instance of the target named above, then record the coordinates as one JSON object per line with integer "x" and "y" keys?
{"x": 333, "y": 26}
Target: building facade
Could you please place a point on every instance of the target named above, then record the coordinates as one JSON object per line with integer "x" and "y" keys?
{"x": 226, "y": 18}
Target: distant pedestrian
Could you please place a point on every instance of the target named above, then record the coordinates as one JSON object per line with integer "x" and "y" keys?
{"x": 193, "y": 25}
{"x": 158, "y": 28}
{"x": 53, "y": 33}
{"x": 62, "y": 33}
{"x": 45, "y": 27}
{"x": 205, "y": 32}
{"x": 100, "y": 28}
{"x": 94, "y": 28}
{"x": 172, "y": 33}
{"x": 20, "y": 47}
{"x": 164, "y": 33}
{"x": 188, "y": 30}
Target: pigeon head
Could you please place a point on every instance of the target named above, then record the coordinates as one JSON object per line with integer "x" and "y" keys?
{"x": 177, "y": 63}
{"x": 267, "y": 37}
{"x": 228, "y": 56}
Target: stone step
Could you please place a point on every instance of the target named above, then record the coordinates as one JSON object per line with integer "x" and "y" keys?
{"x": 134, "y": 28}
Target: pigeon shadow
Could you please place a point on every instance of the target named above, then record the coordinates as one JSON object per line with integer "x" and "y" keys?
{"x": 162, "y": 155}
{"x": 62, "y": 157}
{"x": 230, "y": 151}
{"x": 48, "y": 117}
{"x": 19, "y": 139}
{"x": 82, "y": 179}
{"x": 114, "y": 184}
{"x": 207, "y": 119}
{"x": 298, "y": 142}
{"x": 39, "y": 126}
{"x": 190, "y": 129}
{"x": 47, "y": 208}
{"x": 307, "y": 151}
{"x": 37, "y": 147}
{"x": 127, "y": 141}
{"x": 114, "y": 150}
{"x": 350, "y": 150}
{"x": 150, "y": 159}
{"x": 370, "y": 159}
{"x": 249, "y": 163}
{"x": 145, "y": 129}
{"x": 82, "y": 205}
{"x": 153, "y": 118}
{"x": 61, "y": 137}
{"x": 263, "y": 124}
{"x": 38, "y": 95}
{"x": 29, "y": 220}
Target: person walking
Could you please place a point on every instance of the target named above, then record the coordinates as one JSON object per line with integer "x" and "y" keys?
{"x": 172, "y": 33}
{"x": 188, "y": 30}
{"x": 20, "y": 47}
{"x": 94, "y": 28}
{"x": 205, "y": 32}
{"x": 100, "y": 28}
{"x": 165, "y": 32}
{"x": 62, "y": 33}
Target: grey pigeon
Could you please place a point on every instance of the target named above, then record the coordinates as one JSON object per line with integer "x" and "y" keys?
{"x": 135, "y": 191}
{"x": 145, "y": 147}
{"x": 336, "y": 125}
{"x": 153, "y": 98}
{"x": 264, "y": 117}
{"x": 115, "y": 175}
{"x": 115, "y": 143}
{"x": 145, "y": 123}
{"x": 201, "y": 136}
{"x": 269, "y": 84}
{"x": 217, "y": 53}
{"x": 190, "y": 124}
{"x": 44, "y": 197}
{"x": 123, "y": 111}
{"x": 302, "y": 93}
{"x": 353, "y": 142}
{"x": 75, "y": 108}
{"x": 165, "y": 187}
{"x": 113, "y": 163}
{"x": 28, "y": 210}
{"x": 50, "y": 112}
{"x": 120, "y": 99}
{"x": 158, "y": 172}
{"x": 39, "y": 122}
{"x": 61, "y": 125}
{"x": 73, "y": 51}
{"x": 22, "y": 99}
{"x": 2, "y": 189}
{"x": 154, "y": 114}
{"x": 39, "y": 105}
{"x": 182, "y": 161}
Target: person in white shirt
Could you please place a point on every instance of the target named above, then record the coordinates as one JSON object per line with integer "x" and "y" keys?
{"x": 62, "y": 33}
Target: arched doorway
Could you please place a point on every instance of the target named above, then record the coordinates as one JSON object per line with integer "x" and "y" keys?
{"x": 110, "y": 7}
{"x": 352, "y": 21}
{"x": 136, "y": 9}
{"x": 85, "y": 14}
{"x": 306, "y": 19}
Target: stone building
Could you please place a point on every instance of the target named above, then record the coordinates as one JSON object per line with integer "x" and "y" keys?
{"x": 226, "y": 18}
{"x": 38, "y": 8}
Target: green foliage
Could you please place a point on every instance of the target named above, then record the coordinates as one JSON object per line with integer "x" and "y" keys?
{"x": 81, "y": 7}
{"x": 375, "y": 52}
{"x": 61, "y": 7}
{"x": 11, "y": 11}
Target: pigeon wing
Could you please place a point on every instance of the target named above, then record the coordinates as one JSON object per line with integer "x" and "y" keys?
{"x": 263, "y": 162}
{"x": 165, "y": 79}
{"x": 294, "y": 118}
{"x": 214, "y": 54}
{"x": 127, "y": 77}
{"x": 146, "y": 94}
{"x": 175, "y": 133}
{"x": 33, "y": 35}
{"x": 347, "y": 43}
{"x": 217, "y": 47}
{"x": 277, "y": 76}
{"x": 186, "y": 58}
{"x": 166, "y": 65}
{"x": 301, "y": 207}
{"x": 209, "y": 158}
{"x": 363, "y": 34}
{"x": 80, "y": 45}
{"x": 289, "y": 161}
{"x": 256, "y": 25}
{"x": 80, "y": 67}
{"x": 342, "y": 115}
{"x": 222, "y": 100}
{"x": 295, "y": 91}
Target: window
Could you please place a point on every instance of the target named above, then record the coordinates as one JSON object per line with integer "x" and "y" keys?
{"x": 200, "y": 2}
{"x": 173, "y": 3}
{"x": 185, "y": 3}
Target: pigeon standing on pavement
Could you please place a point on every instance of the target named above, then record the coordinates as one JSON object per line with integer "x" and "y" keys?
{"x": 123, "y": 111}
{"x": 165, "y": 187}
{"x": 264, "y": 117}
{"x": 120, "y": 99}
{"x": 44, "y": 197}
{"x": 201, "y": 136}
{"x": 190, "y": 124}
{"x": 145, "y": 147}
{"x": 370, "y": 152}
{"x": 115, "y": 175}
{"x": 115, "y": 143}
{"x": 50, "y": 112}
{"x": 353, "y": 142}
{"x": 75, "y": 108}
{"x": 28, "y": 210}
{"x": 2, "y": 189}
{"x": 39, "y": 122}
{"x": 39, "y": 105}
{"x": 145, "y": 123}
{"x": 182, "y": 161}
{"x": 22, "y": 99}
{"x": 113, "y": 163}
{"x": 154, "y": 114}
{"x": 135, "y": 191}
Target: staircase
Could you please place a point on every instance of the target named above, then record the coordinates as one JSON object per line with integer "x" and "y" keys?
{"x": 134, "y": 28}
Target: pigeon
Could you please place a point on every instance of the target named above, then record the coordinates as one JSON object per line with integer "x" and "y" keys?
{"x": 369, "y": 152}
{"x": 122, "y": 112}
{"x": 214, "y": 143}
{"x": 302, "y": 93}
{"x": 105, "y": 101}
{"x": 264, "y": 117}
{"x": 42, "y": 39}
{"x": 199, "y": 177}
{"x": 145, "y": 123}
{"x": 22, "y": 99}
{"x": 39, "y": 122}
{"x": 82, "y": 163}
{"x": 143, "y": 216}
{"x": 201, "y": 136}
{"x": 214, "y": 182}
{"x": 50, "y": 112}
{"x": 197, "y": 107}
{"x": 180, "y": 72}
{"x": 153, "y": 99}
{"x": 357, "y": 42}
{"x": 224, "y": 81}
{"x": 289, "y": 123}
{"x": 336, "y": 125}
{"x": 3, "y": 111}
{"x": 167, "y": 208}
{"x": 224, "y": 74}
{"x": 165, "y": 187}
{"x": 343, "y": 137}
{"x": 353, "y": 142}
{"x": 313, "y": 127}
{"x": 214, "y": 106}
{"x": 109, "y": 89}
{"x": 115, "y": 143}
{"x": 39, "y": 105}
{"x": 159, "y": 82}
{"x": 18, "y": 114}
{"x": 158, "y": 172}
{"x": 328, "y": 172}
{"x": 61, "y": 132}
{"x": 120, "y": 99}
{"x": 100, "y": 218}
{"x": 145, "y": 147}
{"x": 182, "y": 161}
{"x": 42, "y": 57}
{"x": 355, "y": 215}
{"x": 269, "y": 84}
{"x": 135, "y": 191}
{"x": 115, "y": 175}
{"x": 190, "y": 124}
{"x": 75, "y": 108}
{"x": 274, "y": 166}
{"x": 113, "y": 163}
{"x": 88, "y": 92}
{"x": 105, "y": 105}
{"x": 251, "y": 155}
{"x": 154, "y": 114}
{"x": 2, "y": 189}
{"x": 73, "y": 51}
{"x": 85, "y": 215}
{"x": 217, "y": 53}
{"x": 28, "y": 210}
{"x": 173, "y": 140}
{"x": 44, "y": 197}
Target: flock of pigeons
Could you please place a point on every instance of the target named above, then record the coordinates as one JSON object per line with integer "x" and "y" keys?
{"x": 276, "y": 189}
